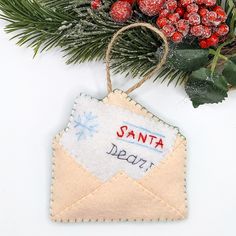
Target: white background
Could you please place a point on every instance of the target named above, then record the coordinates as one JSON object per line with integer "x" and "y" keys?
{"x": 36, "y": 97}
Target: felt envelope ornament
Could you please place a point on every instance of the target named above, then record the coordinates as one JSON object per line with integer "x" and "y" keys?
{"x": 116, "y": 161}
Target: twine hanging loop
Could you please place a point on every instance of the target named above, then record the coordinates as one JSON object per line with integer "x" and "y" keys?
{"x": 148, "y": 76}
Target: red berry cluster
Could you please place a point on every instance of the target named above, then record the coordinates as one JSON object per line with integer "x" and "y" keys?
{"x": 121, "y": 10}
{"x": 199, "y": 18}
{"x": 202, "y": 19}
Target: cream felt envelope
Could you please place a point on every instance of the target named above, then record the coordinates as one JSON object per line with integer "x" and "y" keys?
{"x": 131, "y": 191}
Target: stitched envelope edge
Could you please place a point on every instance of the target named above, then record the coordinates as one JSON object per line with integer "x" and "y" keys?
{"x": 54, "y": 218}
{"x": 53, "y": 178}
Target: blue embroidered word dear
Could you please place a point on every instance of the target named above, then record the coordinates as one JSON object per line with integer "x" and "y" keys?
{"x": 122, "y": 154}
{"x": 85, "y": 125}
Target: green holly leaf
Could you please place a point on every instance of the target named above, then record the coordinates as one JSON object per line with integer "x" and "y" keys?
{"x": 188, "y": 59}
{"x": 229, "y": 71}
{"x": 202, "y": 87}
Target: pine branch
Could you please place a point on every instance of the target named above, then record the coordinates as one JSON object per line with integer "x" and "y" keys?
{"x": 32, "y": 23}
{"x": 83, "y": 34}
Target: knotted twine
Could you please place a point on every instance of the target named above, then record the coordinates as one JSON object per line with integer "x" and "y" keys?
{"x": 148, "y": 76}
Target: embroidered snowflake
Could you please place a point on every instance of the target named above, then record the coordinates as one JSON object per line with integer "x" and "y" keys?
{"x": 85, "y": 125}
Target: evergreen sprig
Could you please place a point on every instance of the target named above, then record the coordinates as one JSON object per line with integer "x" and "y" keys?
{"x": 33, "y": 24}
{"x": 83, "y": 35}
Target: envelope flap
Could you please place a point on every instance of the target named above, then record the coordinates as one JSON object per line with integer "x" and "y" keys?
{"x": 168, "y": 178}
{"x": 71, "y": 182}
{"x": 119, "y": 198}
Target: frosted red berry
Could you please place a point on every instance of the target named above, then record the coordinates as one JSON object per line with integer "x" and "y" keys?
{"x": 209, "y": 3}
{"x": 197, "y": 30}
{"x": 206, "y": 32}
{"x": 203, "y": 12}
{"x": 213, "y": 40}
{"x": 177, "y": 37}
{"x": 180, "y": 11}
{"x": 212, "y": 16}
{"x": 150, "y": 7}
{"x": 162, "y": 21}
{"x": 199, "y": 2}
{"x": 168, "y": 30}
{"x": 205, "y": 21}
{"x": 203, "y": 43}
{"x": 185, "y": 3}
{"x": 171, "y": 5}
{"x": 192, "y": 8}
{"x": 194, "y": 18}
{"x": 120, "y": 11}
{"x": 95, "y": 4}
{"x": 183, "y": 26}
{"x": 221, "y": 15}
{"x": 218, "y": 8}
{"x": 222, "y": 30}
{"x": 164, "y": 13}
{"x": 174, "y": 17}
